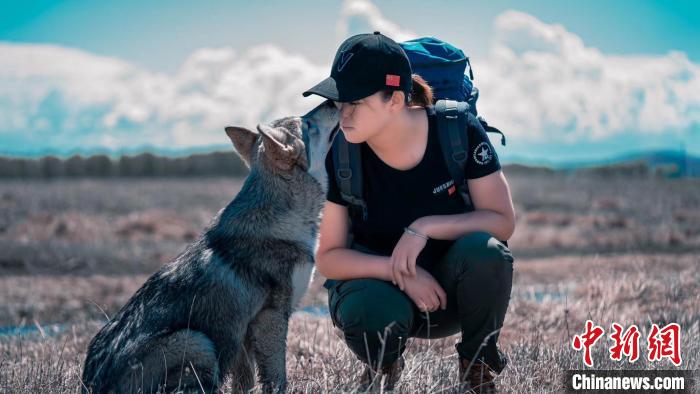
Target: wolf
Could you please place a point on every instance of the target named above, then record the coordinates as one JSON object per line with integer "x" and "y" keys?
{"x": 223, "y": 304}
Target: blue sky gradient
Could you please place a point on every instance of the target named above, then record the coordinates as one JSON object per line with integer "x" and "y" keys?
{"x": 159, "y": 34}
{"x": 159, "y": 37}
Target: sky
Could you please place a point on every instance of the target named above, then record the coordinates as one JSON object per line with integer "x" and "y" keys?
{"x": 565, "y": 81}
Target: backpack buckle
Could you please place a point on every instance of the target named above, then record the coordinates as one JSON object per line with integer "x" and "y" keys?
{"x": 344, "y": 174}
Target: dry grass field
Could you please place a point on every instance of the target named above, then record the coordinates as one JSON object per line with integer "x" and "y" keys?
{"x": 73, "y": 251}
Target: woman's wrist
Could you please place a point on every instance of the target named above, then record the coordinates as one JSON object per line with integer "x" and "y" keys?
{"x": 388, "y": 270}
{"x": 421, "y": 226}
{"x": 413, "y": 232}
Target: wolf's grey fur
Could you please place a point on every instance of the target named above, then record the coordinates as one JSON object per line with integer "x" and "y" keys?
{"x": 225, "y": 302}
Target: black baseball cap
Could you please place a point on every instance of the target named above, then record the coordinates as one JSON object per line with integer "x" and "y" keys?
{"x": 364, "y": 65}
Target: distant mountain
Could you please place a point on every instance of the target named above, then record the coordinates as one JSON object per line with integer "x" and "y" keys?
{"x": 663, "y": 162}
{"x": 223, "y": 161}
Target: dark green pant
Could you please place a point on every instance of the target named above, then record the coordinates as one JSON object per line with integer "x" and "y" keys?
{"x": 476, "y": 273}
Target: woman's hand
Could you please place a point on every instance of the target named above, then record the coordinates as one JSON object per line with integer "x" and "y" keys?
{"x": 425, "y": 291}
{"x": 403, "y": 258}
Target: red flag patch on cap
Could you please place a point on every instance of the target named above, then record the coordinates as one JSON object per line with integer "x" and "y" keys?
{"x": 393, "y": 80}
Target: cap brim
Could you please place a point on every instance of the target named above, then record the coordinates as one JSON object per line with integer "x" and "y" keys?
{"x": 326, "y": 88}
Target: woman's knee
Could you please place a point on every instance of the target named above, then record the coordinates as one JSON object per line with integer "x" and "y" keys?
{"x": 375, "y": 318}
{"x": 370, "y": 305}
{"x": 481, "y": 254}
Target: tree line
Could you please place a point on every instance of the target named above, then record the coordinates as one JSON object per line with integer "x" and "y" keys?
{"x": 230, "y": 164}
{"x": 140, "y": 165}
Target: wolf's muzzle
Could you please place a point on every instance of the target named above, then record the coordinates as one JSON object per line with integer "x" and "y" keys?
{"x": 306, "y": 125}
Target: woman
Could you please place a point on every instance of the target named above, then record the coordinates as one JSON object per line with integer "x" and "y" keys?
{"x": 417, "y": 256}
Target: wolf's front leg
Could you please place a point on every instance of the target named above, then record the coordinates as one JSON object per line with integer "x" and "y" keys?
{"x": 243, "y": 378}
{"x": 270, "y": 347}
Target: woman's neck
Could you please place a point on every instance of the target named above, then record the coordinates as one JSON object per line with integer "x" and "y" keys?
{"x": 400, "y": 136}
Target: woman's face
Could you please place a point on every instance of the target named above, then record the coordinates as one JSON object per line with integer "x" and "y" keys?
{"x": 362, "y": 119}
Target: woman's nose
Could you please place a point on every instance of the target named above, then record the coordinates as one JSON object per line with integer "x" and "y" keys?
{"x": 345, "y": 110}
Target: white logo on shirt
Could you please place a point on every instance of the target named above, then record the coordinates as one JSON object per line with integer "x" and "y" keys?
{"x": 482, "y": 153}
{"x": 444, "y": 186}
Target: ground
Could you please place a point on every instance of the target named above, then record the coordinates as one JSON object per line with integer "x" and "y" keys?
{"x": 608, "y": 250}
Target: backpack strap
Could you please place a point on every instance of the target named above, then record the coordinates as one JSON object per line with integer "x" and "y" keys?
{"x": 452, "y": 125}
{"x": 348, "y": 175}
{"x": 491, "y": 129}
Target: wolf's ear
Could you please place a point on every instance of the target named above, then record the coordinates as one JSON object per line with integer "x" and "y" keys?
{"x": 243, "y": 140}
{"x": 280, "y": 153}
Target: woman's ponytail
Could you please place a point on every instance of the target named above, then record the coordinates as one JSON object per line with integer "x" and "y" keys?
{"x": 421, "y": 93}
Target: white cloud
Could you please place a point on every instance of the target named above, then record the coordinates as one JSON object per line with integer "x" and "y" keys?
{"x": 62, "y": 97}
{"x": 362, "y": 16}
{"x": 539, "y": 82}
{"x": 542, "y": 81}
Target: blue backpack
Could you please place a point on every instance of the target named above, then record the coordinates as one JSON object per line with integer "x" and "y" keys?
{"x": 443, "y": 66}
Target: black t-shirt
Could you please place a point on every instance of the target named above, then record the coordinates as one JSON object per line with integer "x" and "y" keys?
{"x": 396, "y": 198}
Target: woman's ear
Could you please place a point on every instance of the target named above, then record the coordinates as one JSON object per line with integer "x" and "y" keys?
{"x": 243, "y": 140}
{"x": 397, "y": 100}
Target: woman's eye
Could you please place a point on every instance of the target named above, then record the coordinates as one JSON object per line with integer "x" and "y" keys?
{"x": 355, "y": 103}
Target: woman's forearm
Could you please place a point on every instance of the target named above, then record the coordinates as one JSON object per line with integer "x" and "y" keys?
{"x": 451, "y": 227}
{"x": 343, "y": 264}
